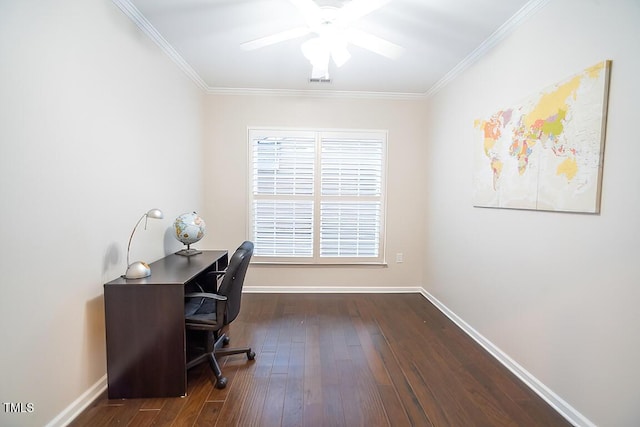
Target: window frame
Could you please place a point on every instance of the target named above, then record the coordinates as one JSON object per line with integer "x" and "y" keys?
{"x": 317, "y": 198}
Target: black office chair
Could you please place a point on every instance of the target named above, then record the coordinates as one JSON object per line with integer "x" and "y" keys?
{"x": 209, "y": 312}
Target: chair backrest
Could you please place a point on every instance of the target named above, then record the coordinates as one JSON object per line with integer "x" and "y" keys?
{"x": 233, "y": 280}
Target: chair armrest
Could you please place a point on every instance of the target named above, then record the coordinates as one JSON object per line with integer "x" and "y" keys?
{"x": 205, "y": 295}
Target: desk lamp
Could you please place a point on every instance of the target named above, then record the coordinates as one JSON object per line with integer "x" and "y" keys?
{"x": 140, "y": 269}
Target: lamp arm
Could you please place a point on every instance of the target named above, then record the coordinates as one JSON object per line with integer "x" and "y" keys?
{"x": 131, "y": 238}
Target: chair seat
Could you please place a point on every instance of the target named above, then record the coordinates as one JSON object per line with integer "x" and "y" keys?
{"x": 200, "y": 310}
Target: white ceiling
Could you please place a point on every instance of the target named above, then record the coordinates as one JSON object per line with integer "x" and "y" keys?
{"x": 439, "y": 37}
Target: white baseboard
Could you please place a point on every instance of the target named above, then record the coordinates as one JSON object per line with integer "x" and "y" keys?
{"x": 80, "y": 404}
{"x": 563, "y": 408}
{"x": 330, "y": 289}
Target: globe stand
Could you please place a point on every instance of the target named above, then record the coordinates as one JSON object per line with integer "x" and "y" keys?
{"x": 188, "y": 251}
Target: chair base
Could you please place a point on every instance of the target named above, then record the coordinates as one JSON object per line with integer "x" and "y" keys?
{"x": 218, "y": 350}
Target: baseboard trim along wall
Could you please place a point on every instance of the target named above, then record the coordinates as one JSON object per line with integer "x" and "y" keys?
{"x": 566, "y": 410}
{"x": 80, "y": 404}
{"x": 330, "y": 290}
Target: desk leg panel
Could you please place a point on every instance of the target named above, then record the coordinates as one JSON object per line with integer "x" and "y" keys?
{"x": 145, "y": 341}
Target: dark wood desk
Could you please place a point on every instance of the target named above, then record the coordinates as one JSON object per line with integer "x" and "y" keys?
{"x": 146, "y": 348}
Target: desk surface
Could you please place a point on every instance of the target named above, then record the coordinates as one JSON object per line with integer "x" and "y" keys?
{"x": 174, "y": 269}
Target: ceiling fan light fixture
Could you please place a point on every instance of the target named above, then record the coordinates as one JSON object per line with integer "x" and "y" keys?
{"x": 315, "y": 50}
{"x": 318, "y": 54}
{"x": 321, "y": 49}
{"x": 319, "y": 73}
{"x": 340, "y": 55}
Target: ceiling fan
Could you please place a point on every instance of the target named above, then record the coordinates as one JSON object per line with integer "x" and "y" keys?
{"x": 331, "y": 25}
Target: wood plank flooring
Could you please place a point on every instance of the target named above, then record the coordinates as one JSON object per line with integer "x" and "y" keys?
{"x": 342, "y": 360}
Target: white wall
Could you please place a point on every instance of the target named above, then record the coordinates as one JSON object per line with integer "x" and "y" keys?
{"x": 227, "y": 119}
{"x": 96, "y": 127}
{"x": 557, "y": 292}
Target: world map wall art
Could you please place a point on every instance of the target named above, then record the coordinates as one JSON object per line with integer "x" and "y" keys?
{"x": 546, "y": 153}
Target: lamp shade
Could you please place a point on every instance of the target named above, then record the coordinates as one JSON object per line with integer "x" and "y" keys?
{"x": 155, "y": 214}
{"x": 140, "y": 269}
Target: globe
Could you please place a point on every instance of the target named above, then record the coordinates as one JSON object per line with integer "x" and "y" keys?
{"x": 189, "y": 229}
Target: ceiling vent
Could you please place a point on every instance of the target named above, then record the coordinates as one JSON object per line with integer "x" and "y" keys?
{"x": 319, "y": 80}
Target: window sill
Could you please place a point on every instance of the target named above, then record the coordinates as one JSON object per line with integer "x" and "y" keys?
{"x": 317, "y": 264}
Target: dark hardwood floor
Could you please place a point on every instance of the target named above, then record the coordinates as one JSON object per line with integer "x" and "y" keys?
{"x": 342, "y": 360}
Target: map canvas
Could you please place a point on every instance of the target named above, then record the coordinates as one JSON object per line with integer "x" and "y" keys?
{"x": 545, "y": 153}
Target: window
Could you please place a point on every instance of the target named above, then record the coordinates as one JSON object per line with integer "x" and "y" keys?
{"x": 317, "y": 196}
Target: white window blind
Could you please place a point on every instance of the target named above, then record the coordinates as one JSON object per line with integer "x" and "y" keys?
{"x": 283, "y": 228}
{"x": 283, "y": 165}
{"x": 351, "y": 177}
{"x": 349, "y": 229}
{"x": 317, "y": 197}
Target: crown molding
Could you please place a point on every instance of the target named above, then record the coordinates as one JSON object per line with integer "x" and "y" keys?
{"x": 497, "y": 36}
{"x": 138, "y": 18}
{"x": 317, "y": 93}
{"x": 505, "y": 29}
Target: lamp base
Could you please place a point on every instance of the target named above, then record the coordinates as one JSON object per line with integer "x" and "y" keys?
{"x": 138, "y": 270}
{"x": 188, "y": 252}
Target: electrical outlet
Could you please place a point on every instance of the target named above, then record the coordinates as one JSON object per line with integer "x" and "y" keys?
{"x": 399, "y": 257}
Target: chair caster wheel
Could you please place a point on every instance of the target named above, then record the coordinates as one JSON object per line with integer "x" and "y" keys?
{"x": 251, "y": 355}
{"x": 221, "y": 383}
{"x": 225, "y": 340}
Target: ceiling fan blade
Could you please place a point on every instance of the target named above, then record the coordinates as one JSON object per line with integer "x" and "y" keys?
{"x": 275, "y": 38}
{"x": 356, "y": 9}
{"x": 374, "y": 44}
